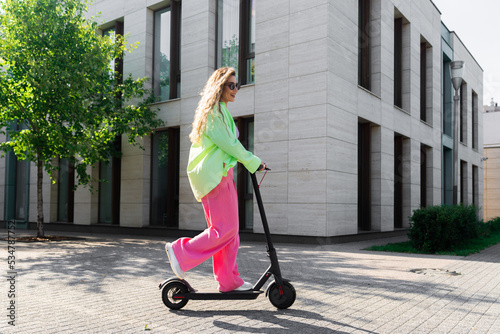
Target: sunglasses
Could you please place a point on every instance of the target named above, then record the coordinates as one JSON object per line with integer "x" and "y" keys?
{"x": 232, "y": 86}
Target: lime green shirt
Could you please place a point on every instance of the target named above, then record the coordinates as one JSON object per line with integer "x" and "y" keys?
{"x": 218, "y": 151}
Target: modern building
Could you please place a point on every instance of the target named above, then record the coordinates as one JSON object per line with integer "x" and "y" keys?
{"x": 491, "y": 162}
{"x": 349, "y": 102}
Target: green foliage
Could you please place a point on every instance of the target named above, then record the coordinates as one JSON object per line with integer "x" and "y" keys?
{"x": 56, "y": 80}
{"x": 440, "y": 228}
{"x": 489, "y": 235}
{"x": 230, "y": 52}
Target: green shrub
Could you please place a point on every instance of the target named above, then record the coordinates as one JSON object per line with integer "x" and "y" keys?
{"x": 440, "y": 228}
{"x": 495, "y": 224}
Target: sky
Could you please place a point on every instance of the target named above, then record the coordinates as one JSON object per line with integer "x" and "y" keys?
{"x": 475, "y": 23}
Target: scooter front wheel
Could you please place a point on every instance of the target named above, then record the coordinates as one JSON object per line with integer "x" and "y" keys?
{"x": 281, "y": 300}
{"x": 169, "y": 292}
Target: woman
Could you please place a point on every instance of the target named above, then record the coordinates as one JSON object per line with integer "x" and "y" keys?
{"x": 214, "y": 152}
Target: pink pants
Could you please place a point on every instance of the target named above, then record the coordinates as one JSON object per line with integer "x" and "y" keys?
{"x": 220, "y": 240}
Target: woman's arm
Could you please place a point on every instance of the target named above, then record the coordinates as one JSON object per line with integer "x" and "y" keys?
{"x": 222, "y": 136}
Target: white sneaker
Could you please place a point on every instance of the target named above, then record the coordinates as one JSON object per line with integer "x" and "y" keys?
{"x": 245, "y": 287}
{"x": 176, "y": 268}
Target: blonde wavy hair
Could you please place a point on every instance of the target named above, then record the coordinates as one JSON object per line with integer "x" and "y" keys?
{"x": 210, "y": 97}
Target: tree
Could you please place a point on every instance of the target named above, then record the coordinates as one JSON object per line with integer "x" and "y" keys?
{"x": 57, "y": 83}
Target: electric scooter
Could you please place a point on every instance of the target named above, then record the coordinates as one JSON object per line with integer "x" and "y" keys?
{"x": 177, "y": 292}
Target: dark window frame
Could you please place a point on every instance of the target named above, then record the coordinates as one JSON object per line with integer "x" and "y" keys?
{"x": 398, "y": 181}
{"x": 398, "y": 62}
{"x": 364, "y": 44}
{"x": 423, "y": 81}
{"x": 115, "y": 184}
{"x": 364, "y": 177}
{"x": 463, "y": 113}
{"x": 423, "y": 175}
{"x": 463, "y": 182}
{"x": 175, "y": 9}
{"x": 475, "y": 125}
{"x": 70, "y": 192}
{"x": 475, "y": 185}
{"x": 244, "y": 188}
{"x": 245, "y": 54}
{"x": 172, "y": 197}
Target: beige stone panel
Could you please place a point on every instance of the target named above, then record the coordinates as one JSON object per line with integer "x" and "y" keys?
{"x": 342, "y": 188}
{"x": 136, "y": 167}
{"x": 273, "y": 34}
{"x": 274, "y": 154}
{"x": 277, "y": 217}
{"x": 308, "y": 57}
{"x": 307, "y": 154}
{"x": 134, "y": 214}
{"x": 188, "y": 106}
{"x": 308, "y": 24}
{"x": 274, "y": 187}
{"x": 185, "y": 193}
{"x": 307, "y": 187}
{"x": 308, "y": 122}
{"x": 342, "y": 156}
{"x": 271, "y": 66}
{"x": 132, "y": 192}
{"x": 269, "y": 10}
{"x": 342, "y": 93}
{"x": 271, "y": 96}
{"x": 271, "y": 126}
{"x": 191, "y": 217}
{"x": 194, "y": 8}
{"x": 369, "y": 106}
{"x": 402, "y": 122}
{"x": 342, "y": 219}
{"x": 307, "y": 219}
{"x": 342, "y": 125}
{"x": 169, "y": 112}
{"x": 243, "y": 104}
{"x": 308, "y": 90}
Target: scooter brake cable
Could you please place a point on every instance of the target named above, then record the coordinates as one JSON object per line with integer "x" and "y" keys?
{"x": 263, "y": 177}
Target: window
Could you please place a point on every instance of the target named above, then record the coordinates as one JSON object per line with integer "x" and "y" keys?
{"x": 109, "y": 188}
{"x": 447, "y": 176}
{"x": 425, "y": 175}
{"x": 364, "y": 44}
{"x": 241, "y": 177}
{"x": 165, "y": 178}
{"x": 116, "y": 65}
{"x": 17, "y": 184}
{"x": 364, "y": 176}
{"x": 66, "y": 195}
{"x": 475, "y": 125}
{"x": 166, "y": 59}
{"x": 401, "y": 61}
{"x": 398, "y": 62}
{"x": 463, "y": 182}
{"x": 475, "y": 185}
{"x": 447, "y": 97}
{"x": 463, "y": 113}
{"x": 425, "y": 81}
{"x": 398, "y": 181}
{"x": 236, "y": 37}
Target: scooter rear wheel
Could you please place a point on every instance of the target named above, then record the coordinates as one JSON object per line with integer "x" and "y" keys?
{"x": 168, "y": 293}
{"x": 282, "y": 301}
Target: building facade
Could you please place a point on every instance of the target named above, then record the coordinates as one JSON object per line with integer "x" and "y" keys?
{"x": 349, "y": 102}
{"x": 491, "y": 160}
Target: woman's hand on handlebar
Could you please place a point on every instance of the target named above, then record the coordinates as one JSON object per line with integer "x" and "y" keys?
{"x": 262, "y": 167}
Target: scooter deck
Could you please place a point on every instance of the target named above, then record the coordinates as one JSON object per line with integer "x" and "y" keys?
{"x": 215, "y": 294}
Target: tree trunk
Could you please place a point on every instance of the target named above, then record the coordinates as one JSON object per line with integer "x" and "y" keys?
{"x": 39, "y": 188}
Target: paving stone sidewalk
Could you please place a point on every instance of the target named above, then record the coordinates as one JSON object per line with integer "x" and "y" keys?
{"x": 109, "y": 284}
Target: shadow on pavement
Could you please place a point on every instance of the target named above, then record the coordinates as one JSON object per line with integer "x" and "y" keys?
{"x": 282, "y": 321}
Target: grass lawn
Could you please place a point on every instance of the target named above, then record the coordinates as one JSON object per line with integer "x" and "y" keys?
{"x": 472, "y": 246}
